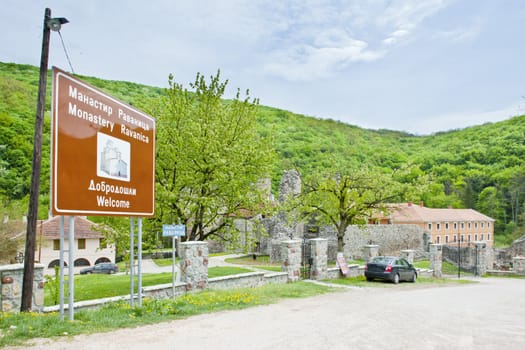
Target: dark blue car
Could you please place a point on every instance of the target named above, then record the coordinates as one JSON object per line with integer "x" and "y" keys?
{"x": 108, "y": 268}
{"x": 390, "y": 268}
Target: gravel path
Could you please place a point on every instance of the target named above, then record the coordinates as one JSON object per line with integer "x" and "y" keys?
{"x": 489, "y": 314}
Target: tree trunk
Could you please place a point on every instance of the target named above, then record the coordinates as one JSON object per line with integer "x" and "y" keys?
{"x": 340, "y": 239}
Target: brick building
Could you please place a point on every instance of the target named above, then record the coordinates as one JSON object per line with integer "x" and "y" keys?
{"x": 445, "y": 226}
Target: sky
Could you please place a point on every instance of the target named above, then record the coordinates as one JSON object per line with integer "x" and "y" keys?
{"x": 419, "y": 66}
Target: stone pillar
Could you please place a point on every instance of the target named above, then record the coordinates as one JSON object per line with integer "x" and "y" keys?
{"x": 518, "y": 264}
{"x": 436, "y": 259}
{"x": 319, "y": 252}
{"x": 291, "y": 259}
{"x": 481, "y": 258}
{"x": 370, "y": 251}
{"x": 408, "y": 254}
{"x": 11, "y": 280}
{"x": 194, "y": 264}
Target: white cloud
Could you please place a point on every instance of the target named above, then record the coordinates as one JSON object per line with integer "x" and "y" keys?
{"x": 320, "y": 38}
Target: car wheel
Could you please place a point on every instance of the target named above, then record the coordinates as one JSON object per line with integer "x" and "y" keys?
{"x": 369, "y": 279}
{"x": 396, "y": 278}
{"x": 414, "y": 278}
{"x": 111, "y": 272}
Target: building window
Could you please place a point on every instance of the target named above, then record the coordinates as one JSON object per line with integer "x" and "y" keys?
{"x": 488, "y": 224}
{"x": 469, "y": 238}
{"x": 482, "y": 224}
{"x": 81, "y": 243}
{"x": 103, "y": 243}
{"x": 462, "y": 225}
{"x": 437, "y": 226}
{"x": 482, "y": 236}
{"x": 437, "y": 239}
{"x": 430, "y": 226}
{"x": 475, "y": 225}
{"x": 455, "y": 238}
{"x": 446, "y": 239}
{"x": 56, "y": 244}
{"x": 488, "y": 236}
{"x": 462, "y": 238}
{"x": 446, "y": 225}
{"x": 469, "y": 225}
{"x": 476, "y": 237}
{"x": 455, "y": 225}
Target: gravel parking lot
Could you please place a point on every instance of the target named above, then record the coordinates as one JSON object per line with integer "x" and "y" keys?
{"x": 488, "y": 314}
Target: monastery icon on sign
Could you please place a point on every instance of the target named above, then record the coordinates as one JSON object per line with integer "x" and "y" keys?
{"x": 113, "y": 157}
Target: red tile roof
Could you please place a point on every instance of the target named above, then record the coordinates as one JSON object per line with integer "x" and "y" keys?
{"x": 83, "y": 228}
{"x": 407, "y": 212}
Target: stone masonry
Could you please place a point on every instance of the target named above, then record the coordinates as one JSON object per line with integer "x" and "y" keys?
{"x": 408, "y": 254}
{"x": 518, "y": 264}
{"x": 194, "y": 264}
{"x": 436, "y": 259}
{"x": 481, "y": 258}
{"x": 291, "y": 255}
{"x": 319, "y": 253}
{"x": 11, "y": 280}
{"x": 370, "y": 251}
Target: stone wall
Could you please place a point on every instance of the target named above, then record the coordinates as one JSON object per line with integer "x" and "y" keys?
{"x": 11, "y": 281}
{"x": 391, "y": 239}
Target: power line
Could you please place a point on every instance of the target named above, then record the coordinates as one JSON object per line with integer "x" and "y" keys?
{"x": 65, "y": 51}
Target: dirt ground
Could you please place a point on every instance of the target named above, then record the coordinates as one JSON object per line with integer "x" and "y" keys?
{"x": 489, "y": 314}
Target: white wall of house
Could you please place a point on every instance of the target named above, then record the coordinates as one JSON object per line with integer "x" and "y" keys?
{"x": 46, "y": 252}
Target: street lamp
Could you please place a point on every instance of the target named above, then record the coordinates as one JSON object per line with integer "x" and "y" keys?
{"x": 56, "y": 23}
{"x": 53, "y": 24}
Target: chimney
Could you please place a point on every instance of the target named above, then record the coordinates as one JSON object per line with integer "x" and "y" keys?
{"x": 421, "y": 204}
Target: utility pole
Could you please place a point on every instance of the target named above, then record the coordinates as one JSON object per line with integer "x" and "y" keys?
{"x": 34, "y": 191}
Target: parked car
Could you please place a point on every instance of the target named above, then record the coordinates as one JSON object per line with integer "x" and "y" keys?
{"x": 108, "y": 268}
{"x": 390, "y": 268}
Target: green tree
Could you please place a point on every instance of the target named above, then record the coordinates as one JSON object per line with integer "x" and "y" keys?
{"x": 209, "y": 158}
{"x": 343, "y": 198}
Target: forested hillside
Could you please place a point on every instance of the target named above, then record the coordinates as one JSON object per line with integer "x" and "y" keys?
{"x": 481, "y": 167}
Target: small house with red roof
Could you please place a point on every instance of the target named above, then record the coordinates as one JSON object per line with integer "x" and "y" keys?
{"x": 90, "y": 246}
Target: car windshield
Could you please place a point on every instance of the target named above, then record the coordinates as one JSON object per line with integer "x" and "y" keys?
{"x": 382, "y": 260}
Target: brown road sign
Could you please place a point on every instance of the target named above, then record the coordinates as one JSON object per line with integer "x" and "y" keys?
{"x": 103, "y": 153}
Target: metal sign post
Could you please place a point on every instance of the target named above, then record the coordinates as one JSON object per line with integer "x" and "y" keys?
{"x": 174, "y": 231}
{"x": 71, "y": 269}
{"x": 131, "y": 263}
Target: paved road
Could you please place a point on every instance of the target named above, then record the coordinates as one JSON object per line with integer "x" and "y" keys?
{"x": 485, "y": 315}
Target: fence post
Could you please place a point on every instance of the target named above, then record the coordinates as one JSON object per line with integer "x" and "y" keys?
{"x": 436, "y": 259}
{"x": 370, "y": 251}
{"x": 291, "y": 259}
{"x": 194, "y": 264}
{"x": 319, "y": 253}
{"x": 408, "y": 254}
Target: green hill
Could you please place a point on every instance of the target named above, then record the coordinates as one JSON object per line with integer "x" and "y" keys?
{"x": 480, "y": 167}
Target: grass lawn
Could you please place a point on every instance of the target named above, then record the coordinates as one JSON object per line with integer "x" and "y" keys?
{"x": 96, "y": 286}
